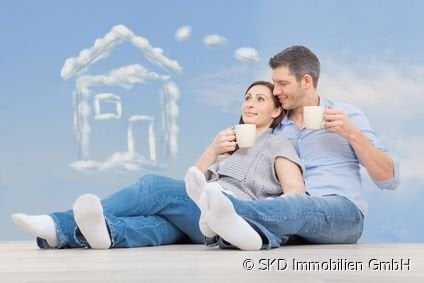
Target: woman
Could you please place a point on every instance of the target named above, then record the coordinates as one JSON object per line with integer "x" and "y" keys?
{"x": 157, "y": 209}
{"x": 266, "y": 170}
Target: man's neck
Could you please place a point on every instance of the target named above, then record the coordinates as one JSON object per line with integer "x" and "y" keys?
{"x": 296, "y": 115}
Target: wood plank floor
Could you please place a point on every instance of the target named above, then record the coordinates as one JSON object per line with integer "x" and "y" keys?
{"x": 23, "y": 262}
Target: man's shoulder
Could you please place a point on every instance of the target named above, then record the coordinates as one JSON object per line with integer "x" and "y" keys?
{"x": 346, "y": 107}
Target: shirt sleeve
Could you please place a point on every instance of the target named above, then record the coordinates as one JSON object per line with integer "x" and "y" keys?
{"x": 362, "y": 122}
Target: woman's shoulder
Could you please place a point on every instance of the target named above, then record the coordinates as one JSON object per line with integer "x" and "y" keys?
{"x": 277, "y": 138}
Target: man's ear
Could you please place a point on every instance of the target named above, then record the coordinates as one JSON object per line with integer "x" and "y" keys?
{"x": 307, "y": 82}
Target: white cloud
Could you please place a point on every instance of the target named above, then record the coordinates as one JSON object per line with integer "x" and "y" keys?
{"x": 247, "y": 54}
{"x": 103, "y": 46}
{"x": 125, "y": 77}
{"x": 107, "y": 98}
{"x": 214, "y": 40}
{"x": 151, "y": 135}
{"x": 183, "y": 33}
{"x": 170, "y": 112}
{"x": 119, "y": 161}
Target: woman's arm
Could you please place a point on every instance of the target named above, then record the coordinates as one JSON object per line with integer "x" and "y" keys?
{"x": 289, "y": 175}
{"x": 224, "y": 142}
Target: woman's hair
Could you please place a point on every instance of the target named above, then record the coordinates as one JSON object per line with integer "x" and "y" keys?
{"x": 277, "y": 103}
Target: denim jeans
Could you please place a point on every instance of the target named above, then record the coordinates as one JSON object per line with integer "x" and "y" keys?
{"x": 330, "y": 219}
{"x": 157, "y": 211}
{"x": 154, "y": 211}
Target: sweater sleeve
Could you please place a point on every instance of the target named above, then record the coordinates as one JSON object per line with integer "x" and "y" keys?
{"x": 284, "y": 148}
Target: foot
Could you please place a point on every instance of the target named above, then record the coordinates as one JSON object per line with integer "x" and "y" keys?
{"x": 88, "y": 213}
{"x": 41, "y": 226}
{"x": 195, "y": 184}
{"x": 224, "y": 220}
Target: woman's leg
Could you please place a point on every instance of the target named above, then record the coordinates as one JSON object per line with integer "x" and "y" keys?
{"x": 152, "y": 195}
{"x": 103, "y": 231}
{"x": 155, "y": 195}
{"x": 142, "y": 231}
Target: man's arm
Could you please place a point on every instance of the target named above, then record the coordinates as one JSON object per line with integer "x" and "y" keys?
{"x": 379, "y": 165}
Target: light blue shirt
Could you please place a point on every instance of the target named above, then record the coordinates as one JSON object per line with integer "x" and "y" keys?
{"x": 331, "y": 164}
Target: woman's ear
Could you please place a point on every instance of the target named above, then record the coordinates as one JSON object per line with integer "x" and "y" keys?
{"x": 277, "y": 111}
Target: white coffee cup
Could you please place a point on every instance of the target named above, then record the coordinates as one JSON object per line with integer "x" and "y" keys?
{"x": 313, "y": 117}
{"x": 245, "y": 135}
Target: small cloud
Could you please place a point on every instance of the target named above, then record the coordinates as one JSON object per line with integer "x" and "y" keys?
{"x": 183, "y": 33}
{"x": 247, "y": 54}
{"x": 214, "y": 40}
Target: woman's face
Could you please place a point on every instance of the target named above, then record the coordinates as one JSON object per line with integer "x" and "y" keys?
{"x": 258, "y": 107}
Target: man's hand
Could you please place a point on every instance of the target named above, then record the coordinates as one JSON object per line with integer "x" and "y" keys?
{"x": 336, "y": 121}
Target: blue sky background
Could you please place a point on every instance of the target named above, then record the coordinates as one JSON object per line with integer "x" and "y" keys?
{"x": 371, "y": 55}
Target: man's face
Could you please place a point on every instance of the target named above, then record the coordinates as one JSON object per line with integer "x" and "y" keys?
{"x": 286, "y": 88}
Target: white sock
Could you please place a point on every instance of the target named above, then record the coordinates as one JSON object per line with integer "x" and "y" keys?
{"x": 224, "y": 220}
{"x": 41, "y": 226}
{"x": 195, "y": 182}
{"x": 88, "y": 213}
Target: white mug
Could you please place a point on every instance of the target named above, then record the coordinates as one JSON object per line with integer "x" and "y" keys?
{"x": 313, "y": 117}
{"x": 245, "y": 135}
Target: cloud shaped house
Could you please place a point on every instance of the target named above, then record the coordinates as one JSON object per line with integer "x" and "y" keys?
{"x": 89, "y": 104}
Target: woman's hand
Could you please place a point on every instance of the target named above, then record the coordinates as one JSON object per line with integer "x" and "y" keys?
{"x": 224, "y": 142}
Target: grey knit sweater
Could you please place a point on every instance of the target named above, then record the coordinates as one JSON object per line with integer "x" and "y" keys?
{"x": 249, "y": 173}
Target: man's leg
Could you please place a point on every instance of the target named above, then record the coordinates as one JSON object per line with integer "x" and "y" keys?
{"x": 328, "y": 219}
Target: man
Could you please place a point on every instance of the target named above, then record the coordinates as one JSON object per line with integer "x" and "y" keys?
{"x": 334, "y": 209}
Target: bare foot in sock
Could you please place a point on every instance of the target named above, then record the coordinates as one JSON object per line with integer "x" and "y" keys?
{"x": 195, "y": 182}
{"x": 41, "y": 226}
{"x": 225, "y": 221}
{"x": 88, "y": 213}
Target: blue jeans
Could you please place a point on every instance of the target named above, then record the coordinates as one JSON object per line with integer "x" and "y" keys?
{"x": 154, "y": 211}
{"x": 157, "y": 211}
{"x": 330, "y": 219}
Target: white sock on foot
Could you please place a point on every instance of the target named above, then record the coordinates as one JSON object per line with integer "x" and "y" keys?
{"x": 195, "y": 182}
{"x": 224, "y": 220}
{"x": 41, "y": 226}
{"x": 88, "y": 213}
{"x": 203, "y": 223}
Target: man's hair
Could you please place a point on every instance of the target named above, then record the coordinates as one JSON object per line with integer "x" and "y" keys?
{"x": 299, "y": 60}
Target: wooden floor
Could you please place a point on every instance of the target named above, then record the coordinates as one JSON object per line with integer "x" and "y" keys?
{"x": 23, "y": 262}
